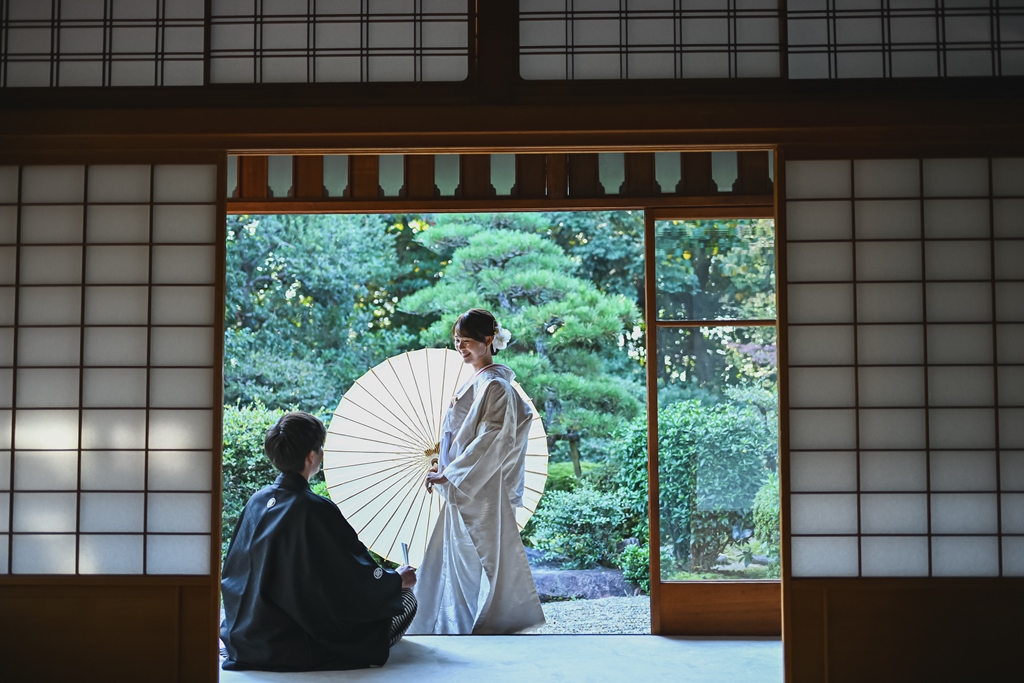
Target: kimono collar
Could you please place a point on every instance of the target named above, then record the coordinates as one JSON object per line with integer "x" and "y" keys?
{"x": 494, "y": 369}
{"x": 293, "y": 481}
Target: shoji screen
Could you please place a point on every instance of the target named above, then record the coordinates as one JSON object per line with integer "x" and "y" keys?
{"x": 906, "y": 367}
{"x": 109, "y": 384}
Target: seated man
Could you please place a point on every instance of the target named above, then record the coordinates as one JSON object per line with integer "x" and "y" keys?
{"x": 301, "y": 592}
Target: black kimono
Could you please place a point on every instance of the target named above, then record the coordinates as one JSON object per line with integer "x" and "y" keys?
{"x": 300, "y": 590}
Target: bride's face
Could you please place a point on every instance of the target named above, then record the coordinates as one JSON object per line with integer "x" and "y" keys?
{"x": 473, "y": 352}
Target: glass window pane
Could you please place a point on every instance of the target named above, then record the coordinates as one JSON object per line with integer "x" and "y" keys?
{"x": 715, "y": 269}
{"x": 336, "y": 174}
{"x": 717, "y": 448}
{"x": 279, "y": 175}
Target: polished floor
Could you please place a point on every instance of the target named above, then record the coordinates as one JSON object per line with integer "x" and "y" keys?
{"x": 562, "y": 659}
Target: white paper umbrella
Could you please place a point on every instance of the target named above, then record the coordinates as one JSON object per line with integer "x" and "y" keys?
{"x": 382, "y": 439}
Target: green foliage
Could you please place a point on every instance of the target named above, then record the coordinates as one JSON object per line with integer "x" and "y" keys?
{"x": 581, "y": 526}
{"x": 246, "y": 468}
{"x": 635, "y": 562}
{"x": 713, "y": 459}
{"x": 561, "y": 477}
{"x": 766, "y": 522}
{"x": 567, "y": 334}
{"x": 308, "y": 305}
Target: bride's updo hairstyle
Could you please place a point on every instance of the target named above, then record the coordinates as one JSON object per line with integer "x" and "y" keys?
{"x": 476, "y": 324}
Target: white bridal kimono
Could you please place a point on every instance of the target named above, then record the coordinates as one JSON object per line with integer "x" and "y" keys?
{"x": 475, "y": 577}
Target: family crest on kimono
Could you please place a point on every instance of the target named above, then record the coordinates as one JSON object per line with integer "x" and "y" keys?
{"x": 475, "y": 577}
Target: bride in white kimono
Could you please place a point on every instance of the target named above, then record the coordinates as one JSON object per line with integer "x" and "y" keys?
{"x": 475, "y": 577}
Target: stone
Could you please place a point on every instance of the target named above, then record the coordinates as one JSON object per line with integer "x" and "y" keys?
{"x": 580, "y": 584}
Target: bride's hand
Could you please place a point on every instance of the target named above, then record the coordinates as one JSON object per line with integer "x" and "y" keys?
{"x": 435, "y": 477}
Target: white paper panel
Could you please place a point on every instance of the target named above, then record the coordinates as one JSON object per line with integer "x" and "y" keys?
{"x": 893, "y": 471}
{"x": 49, "y": 306}
{"x": 46, "y": 429}
{"x": 817, "y": 262}
{"x": 889, "y": 303}
{"x": 52, "y": 184}
{"x": 891, "y": 386}
{"x": 955, "y": 177}
{"x": 824, "y": 556}
{"x": 962, "y": 427}
{"x": 7, "y": 306}
{"x": 817, "y": 179}
{"x": 180, "y": 470}
{"x": 49, "y": 554}
{"x": 6, "y": 388}
{"x": 892, "y": 428}
{"x": 47, "y": 388}
{"x": 8, "y": 265}
{"x": 178, "y": 555}
{"x": 894, "y": 556}
{"x": 110, "y": 554}
{"x": 182, "y": 346}
{"x": 820, "y": 303}
{"x": 1011, "y": 428}
{"x": 181, "y": 388}
{"x": 183, "y": 305}
{"x": 887, "y": 177}
{"x": 1011, "y": 387}
{"x": 1009, "y": 259}
{"x": 7, "y": 346}
{"x": 887, "y": 220}
{"x": 181, "y": 429}
{"x": 51, "y": 224}
{"x": 1012, "y": 505}
{"x": 8, "y": 184}
{"x": 1013, "y": 556}
{"x": 894, "y": 513}
{"x": 114, "y": 388}
{"x": 117, "y": 265}
{"x": 956, "y": 218}
{"x": 823, "y": 471}
{"x": 115, "y": 346}
{"x": 816, "y": 220}
{"x": 116, "y": 305}
{"x": 102, "y": 429}
{"x": 196, "y": 184}
{"x": 964, "y": 513}
{"x": 959, "y": 344}
{"x": 823, "y": 514}
{"x": 52, "y": 512}
{"x": 821, "y": 387}
{"x": 963, "y": 471}
{"x": 960, "y": 260}
{"x": 113, "y": 470}
{"x": 46, "y": 470}
{"x": 965, "y": 556}
{"x": 961, "y": 386}
{"x": 184, "y": 265}
{"x": 112, "y": 512}
{"x": 824, "y": 345}
{"x": 1008, "y": 177}
{"x": 48, "y": 346}
{"x": 118, "y": 224}
{"x": 178, "y": 512}
{"x": 959, "y": 302}
{"x": 1010, "y": 341}
{"x": 50, "y": 265}
{"x": 6, "y": 421}
{"x": 1010, "y": 301}
{"x": 185, "y": 223}
{"x": 1008, "y": 217}
{"x": 5, "y": 522}
{"x": 8, "y": 224}
{"x": 817, "y": 429}
{"x": 890, "y": 260}
{"x": 128, "y": 184}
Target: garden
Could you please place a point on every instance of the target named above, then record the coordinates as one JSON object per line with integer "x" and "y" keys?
{"x": 314, "y": 301}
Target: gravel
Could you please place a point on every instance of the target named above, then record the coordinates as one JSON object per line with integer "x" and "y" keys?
{"x": 605, "y": 615}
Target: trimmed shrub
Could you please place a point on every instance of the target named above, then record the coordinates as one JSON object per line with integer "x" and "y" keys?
{"x": 766, "y": 522}
{"x": 580, "y": 527}
{"x": 635, "y": 562}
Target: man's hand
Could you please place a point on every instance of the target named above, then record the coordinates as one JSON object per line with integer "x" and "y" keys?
{"x": 408, "y": 575}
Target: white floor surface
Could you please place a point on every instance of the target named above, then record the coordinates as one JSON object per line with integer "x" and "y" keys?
{"x": 562, "y": 659}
